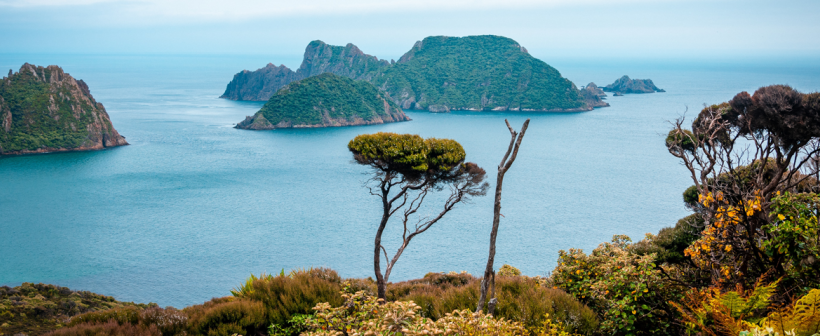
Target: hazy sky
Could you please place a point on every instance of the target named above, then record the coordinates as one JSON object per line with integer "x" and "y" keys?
{"x": 387, "y": 29}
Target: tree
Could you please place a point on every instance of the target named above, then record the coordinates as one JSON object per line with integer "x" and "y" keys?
{"x": 740, "y": 155}
{"x": 406, "y": 168}
{"x": 489, "y": 275}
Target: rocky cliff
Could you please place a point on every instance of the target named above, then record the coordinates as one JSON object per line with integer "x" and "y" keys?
{"x": 319, "y": 58}
{"x": 44, "y": 109}
{"x": 439, "y": 74}
{"x": 594, "y": 96}
{"x": 324, "y": 100}
{"x": 627, "y": 85}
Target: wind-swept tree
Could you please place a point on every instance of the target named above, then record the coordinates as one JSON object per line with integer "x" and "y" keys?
{"x": 745, "y": 157}
{"x": 406, "y": 168}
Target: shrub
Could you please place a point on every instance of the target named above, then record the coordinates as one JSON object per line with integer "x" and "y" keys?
{"x": 296, "y": 293}
{"x": 507, "y": 270}
{"x": 626, "y": 289}
{"x": 226, "y": 316}
{"x": 520, "y": 299}
{"x": 110, "y": 328}
{"x": 124, "y": 315}
{"x": 364, "y": 315}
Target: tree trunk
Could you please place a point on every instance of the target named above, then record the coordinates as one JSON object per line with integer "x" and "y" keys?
{"x": 489, "y": 275}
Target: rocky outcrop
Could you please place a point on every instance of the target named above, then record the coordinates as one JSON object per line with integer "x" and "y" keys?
{"x": 439, "y": 74}
{"x": 44, "y": 109}
{"x": 260, "y": 85}
{"x": 627, "y": 85}
{"x": 325, "y": 100}
{"x": 594, "y": 96}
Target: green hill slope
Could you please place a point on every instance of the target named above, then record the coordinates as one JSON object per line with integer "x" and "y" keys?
{"x": 46, "y": 110}
{"x": 477, "y": 73}
{"x": 325, "y": 100}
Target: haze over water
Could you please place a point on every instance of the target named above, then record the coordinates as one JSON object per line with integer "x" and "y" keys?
{"x": 193, "y": 206}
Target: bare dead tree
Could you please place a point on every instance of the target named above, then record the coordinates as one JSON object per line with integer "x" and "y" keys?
{"x": 406, "y": 170}
{"x": 489, "y": 274}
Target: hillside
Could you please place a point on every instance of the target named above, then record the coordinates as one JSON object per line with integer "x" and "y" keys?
{"x": 46, "y": 110}
{"x": 477, "y": 73}
{"x": 439, "y": 74}
{"x": 325, "y": 100}
{"x": 319, "y": 58}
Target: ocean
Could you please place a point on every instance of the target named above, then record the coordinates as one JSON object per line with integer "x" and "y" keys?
{"x": 193, "y": 206}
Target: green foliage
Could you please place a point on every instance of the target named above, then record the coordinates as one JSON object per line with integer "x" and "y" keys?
{"x": 476, "y": 72}
{"x": 312, "y": 100}
{"x": 110, "y": 328}
{"x": 246, "y": 288}
{"x": 227, "y": 316}
{"x": 507, "y": 270}
{"x": 43, "y": 114}
{"x": 297, "y": 293}
{"x": 295, "y": 326}
{"x": 39, "y": 308}
{"x": 794, "y": 234}
{"x": 626, "y": 289}
{"x": 520, "y": 299}
{"x": 363, "y": 314}
{"x": 406, "y": 153}
{"x": 671, "y": 242}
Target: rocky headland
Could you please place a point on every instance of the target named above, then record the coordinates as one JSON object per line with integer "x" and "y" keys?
{"x": 594, "y": 96}
{"x": 438, "y": 74}
{"x": 627, "y": 85}
{"x": 44, "y": 109}
{"x": 319, "y": 58}
{"x": 326, "y": 100}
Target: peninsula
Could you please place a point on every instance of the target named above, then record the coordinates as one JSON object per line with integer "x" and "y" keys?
{"x": 44, "y": 109}
{"x": 325, "y": 100}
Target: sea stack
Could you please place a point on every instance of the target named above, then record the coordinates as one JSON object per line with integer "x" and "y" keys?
{"x": 44, "y": 109}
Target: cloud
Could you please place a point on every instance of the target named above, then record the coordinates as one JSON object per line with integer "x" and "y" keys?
{"x": 220, "y": 10}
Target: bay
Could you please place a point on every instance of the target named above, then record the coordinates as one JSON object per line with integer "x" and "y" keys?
{"x": 193, "y": 206}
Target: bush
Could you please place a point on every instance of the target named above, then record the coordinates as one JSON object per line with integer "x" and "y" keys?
{"x": 227, "y": 316}
{"x": 124, "y": 315}
{"x": 364, "y": 315}
{"x": 110, "y": 328}
{"x": 626, "y": 289}
{"x": 520, "y": 299}
{"x": 297, "y": 293}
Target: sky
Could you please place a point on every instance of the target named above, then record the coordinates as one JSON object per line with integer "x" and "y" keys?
{"x": 610, "y": 29}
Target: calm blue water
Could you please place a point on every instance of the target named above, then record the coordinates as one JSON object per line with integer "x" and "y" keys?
{"x": 194, "y": 206}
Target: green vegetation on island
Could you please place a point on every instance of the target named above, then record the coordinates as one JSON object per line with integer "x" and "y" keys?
{"x": 46, "y": 110}
{"x": 323, "y": 101}
{"x": 438, "y": 74}
{"x": 478, "y": 73}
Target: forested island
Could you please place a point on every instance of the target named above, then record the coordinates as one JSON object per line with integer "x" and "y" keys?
{"x": 325, "y": 100}
{"x": 44, "y": 109}
{"x": 627, "y": 85}
{"x": 438, "y": 74}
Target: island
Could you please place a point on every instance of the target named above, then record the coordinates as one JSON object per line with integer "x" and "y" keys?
{"x": 325, "y": 100}
{"x": 627, "y": 85}
{"x": 44, "y": 110}
{"x": 438, "y": 74}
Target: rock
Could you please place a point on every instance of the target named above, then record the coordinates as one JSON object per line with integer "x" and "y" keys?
{"x": 627, "y": 85}
{"x": 44, "y": 109}
{"x": 594, "y": 96}
{"x": 618, "y": 94}
{"x": 260, "y": 85}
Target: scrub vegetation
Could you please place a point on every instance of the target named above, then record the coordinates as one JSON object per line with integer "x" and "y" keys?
{"x": 745, "y": 262}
